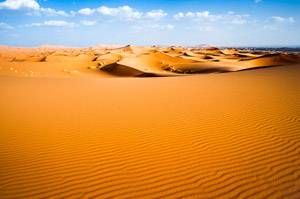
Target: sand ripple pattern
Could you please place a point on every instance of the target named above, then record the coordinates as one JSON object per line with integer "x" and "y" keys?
{"x": 231, "y": 135}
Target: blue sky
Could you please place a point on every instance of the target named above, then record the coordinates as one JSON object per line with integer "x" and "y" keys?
{"x": 77, "y": 23}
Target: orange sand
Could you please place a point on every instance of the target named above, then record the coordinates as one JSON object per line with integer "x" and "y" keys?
{"x": 225, "y": 135}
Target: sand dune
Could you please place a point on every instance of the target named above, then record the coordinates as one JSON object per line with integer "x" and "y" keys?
{"x": 92, "y": 134}
{"x": 160, "y": 61}
{"x": 31, "y": 59}
{"x": 65, "y": 58}
{"x": 210, "y": 51}
{"x": 204, "y": 67}
{"x": 125, "y": 71}
{"x": 113, "y": 56}
{"x": 153, "y": 62}
{"x": 273, "y": 60}
{"x": 230, "y": 51}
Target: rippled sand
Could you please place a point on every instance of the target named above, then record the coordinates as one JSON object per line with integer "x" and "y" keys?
{"x": 179, "y": 135}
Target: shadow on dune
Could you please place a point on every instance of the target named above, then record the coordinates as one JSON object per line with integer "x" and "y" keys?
{"x": 33, "y": 59}
{"x": 257, "y": 68}
{"x": 272, "y": 60}
{"x": 124, "y": 69}
{"x": 119, "y": 70}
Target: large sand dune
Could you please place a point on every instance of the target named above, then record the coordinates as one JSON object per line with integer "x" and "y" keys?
{"x": 92, "y": 134}
{"x": 131, "y": 61}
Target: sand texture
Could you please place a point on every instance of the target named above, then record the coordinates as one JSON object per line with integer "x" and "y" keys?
{"x": 196, "y": 124}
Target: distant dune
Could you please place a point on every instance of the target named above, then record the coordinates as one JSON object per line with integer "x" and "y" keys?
{"x": 131, "y": 61}
{"x": 148, "y": 122}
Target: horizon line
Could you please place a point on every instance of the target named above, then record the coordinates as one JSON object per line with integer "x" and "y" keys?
{"x": 160, "y": 45}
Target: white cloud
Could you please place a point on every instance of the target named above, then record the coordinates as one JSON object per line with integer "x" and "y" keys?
{"x": 5, "y": 26}
{"x": 198, "y": 16}
{"x": 30, "y": 5}
{"x": 18, "y": 4}
{"x": 151, "y": 27}
{"x": 281, "y": 19}
{"x": 124, "y": 12}
{"x": 155, "y": 14}
{"x": 88, "y": 23}
{"x": 276, "y": 22}
{"x": 86, "y": 11}
{"x": 179, "y": 15}
{"x": 52, "y": 12}
{"x": 206, "y": 18}
{"x": 53, "y": 23}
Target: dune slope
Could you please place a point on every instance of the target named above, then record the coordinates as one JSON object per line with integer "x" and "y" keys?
{"x": 132, "y": 61}
{"x": 230, "y": 135}
{"x": 273, "y": 60}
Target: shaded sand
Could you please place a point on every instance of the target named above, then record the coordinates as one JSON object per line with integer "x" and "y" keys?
{"x": 272, "y": 60}
{"x": 72, "y": 128}
{"x": 232, "y": 135}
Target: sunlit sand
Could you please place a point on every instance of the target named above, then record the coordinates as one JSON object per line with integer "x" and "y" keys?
{"x": 148, "y": 122}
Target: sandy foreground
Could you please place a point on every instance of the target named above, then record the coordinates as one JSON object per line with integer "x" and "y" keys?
{"x": 80, "y": 123}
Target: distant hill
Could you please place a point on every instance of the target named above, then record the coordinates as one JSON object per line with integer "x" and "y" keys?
{"x": 201, "y": 46}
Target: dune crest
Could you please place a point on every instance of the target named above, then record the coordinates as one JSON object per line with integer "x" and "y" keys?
{"x": 273, "y": 60}
{"x": 133, "y": 61}
{"x": 119, "y": 70}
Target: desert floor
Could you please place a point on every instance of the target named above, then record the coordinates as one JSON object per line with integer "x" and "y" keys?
{"x": 148, "y": 122}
